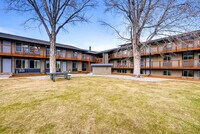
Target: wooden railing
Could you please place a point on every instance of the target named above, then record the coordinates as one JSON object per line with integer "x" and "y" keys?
{"x": 174, "y": 48}
{"x": 21, "y": 51}
{"x": 119, "y": 56}
{"x": 158, "y": 50}
{"x": 8, "y": 50}
{"x": 99, "y": 60}
{"x": 171, "y": 64}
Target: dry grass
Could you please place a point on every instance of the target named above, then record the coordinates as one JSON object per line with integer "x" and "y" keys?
{"x": 98, "y": 105}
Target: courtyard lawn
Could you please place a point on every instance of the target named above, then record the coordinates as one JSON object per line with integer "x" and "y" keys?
{"x": 99, "y": 105}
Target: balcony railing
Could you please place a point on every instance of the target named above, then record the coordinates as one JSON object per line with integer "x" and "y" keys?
{"x": 20, "y": 51}
{"x": 179, "y": 48}
{"x": 42, "y": 53}
{"x": 115, "y": 55}
{"x": 171, "y": 64}
{"x": 159, "y": 50}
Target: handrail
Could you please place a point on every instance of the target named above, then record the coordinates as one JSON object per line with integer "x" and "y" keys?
{"x": 42, "y": 53}
{"x": 159, "y": 50}
{"x": 161, "y": 64}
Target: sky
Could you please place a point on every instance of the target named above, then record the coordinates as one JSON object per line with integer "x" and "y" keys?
{"x": 82, "y": 35}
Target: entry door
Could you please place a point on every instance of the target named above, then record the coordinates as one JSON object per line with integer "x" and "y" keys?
{"x": 6, "y": 65}
{"x": 64, "y": 66}
{"x": 6, "y": 46}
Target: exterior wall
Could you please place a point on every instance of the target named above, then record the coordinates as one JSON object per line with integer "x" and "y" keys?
{"x": 197, "y": 74}
{"x": 79, "y": 66}
{"x": 42, "y": 66}
{"x": 69, "y": 66}
{"x": 128, "y": 71}
{"x": 105, "y": 58}
{"x": 13, "y": 65}
{"x": 101, "y": 70}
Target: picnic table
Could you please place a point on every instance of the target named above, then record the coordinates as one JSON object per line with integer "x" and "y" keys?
{"x": 66, "y": 75}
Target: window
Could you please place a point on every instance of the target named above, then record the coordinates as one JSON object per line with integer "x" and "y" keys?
{"x": 147, "y": 72}
{"x": 47, "y": 64}
{"x": 188, "y": 73}
{"x": 131, "y": 71}
{"x": 167, "y": 61}
{"x": 198, "y": 74}
{"x": 47, "y": 52}
{"x": 25, "y": 47}
{"x": 35, "y": 64}
{"x": 199, "y": 57}
{"x": 188, "y": 59}
{"x": 188, "y": 55}
{"x": 167, "y": 72}
{"x": 124, "y": 71}
{"x": 18, "y": 63}
{"x": 167, "y": 57}
{"x": 125, "y": 52}
{"x": 58, "y": 52}
{"x": 119, "y": 71}
{"x": 74, "y": 66}
{"x": 34, "y": 49}
{"x": 21, "y": 63}
{"x": 58, "y": 64}
{"x": 63, "y": 53}
{"x": 84, "y": 56}
{"x": 168, "y": 47}
{"x": 91, "y": 57}
{"x": 18, "y": 47}
{"x": 84, "y": 66}
{"x": 31, "y": 63}
{"x": 74, "y": 54}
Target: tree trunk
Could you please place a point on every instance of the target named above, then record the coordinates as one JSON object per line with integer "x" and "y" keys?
{"x": 137, "y": 58}
{"x": 52, "y": 58}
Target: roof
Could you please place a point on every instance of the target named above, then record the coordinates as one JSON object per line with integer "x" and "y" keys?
{"x": 173, "y": 37}
{"x": 41, "y": 42}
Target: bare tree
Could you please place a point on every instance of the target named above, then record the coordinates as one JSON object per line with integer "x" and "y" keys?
{"x": 149, "y": 19}
{"x": 54, "y": 15}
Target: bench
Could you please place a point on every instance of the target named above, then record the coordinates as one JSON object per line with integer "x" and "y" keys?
{"x": 66, "y": 75}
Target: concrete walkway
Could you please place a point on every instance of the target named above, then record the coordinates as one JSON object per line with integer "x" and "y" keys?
{"x": 147, "y": 79}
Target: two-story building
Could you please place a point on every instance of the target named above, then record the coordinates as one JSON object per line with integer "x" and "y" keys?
{"x": 21, "y": 55}
{"x": 176, "y": 56}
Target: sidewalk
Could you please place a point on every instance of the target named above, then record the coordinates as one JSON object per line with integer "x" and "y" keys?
{"x": 147, "y": 79}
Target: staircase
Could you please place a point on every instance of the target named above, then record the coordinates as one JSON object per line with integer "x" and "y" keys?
{"x": 5, "y": 75}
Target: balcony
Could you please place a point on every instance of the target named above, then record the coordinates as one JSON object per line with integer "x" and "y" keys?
{"x": 99, "y": 60}
{"x": 171, "y": 64}
{"x": 123, "y": 66}
{"x": 171, "y": 49}
{"x": 120, "y": 56}
{"x": 8, "y": 50}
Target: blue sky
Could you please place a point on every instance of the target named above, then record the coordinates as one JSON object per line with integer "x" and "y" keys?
{"x": 82, "y": 35}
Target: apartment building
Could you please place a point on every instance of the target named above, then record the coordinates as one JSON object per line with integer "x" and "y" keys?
{"x": 176, "y": 56}
{"x": 21, "y": 55}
